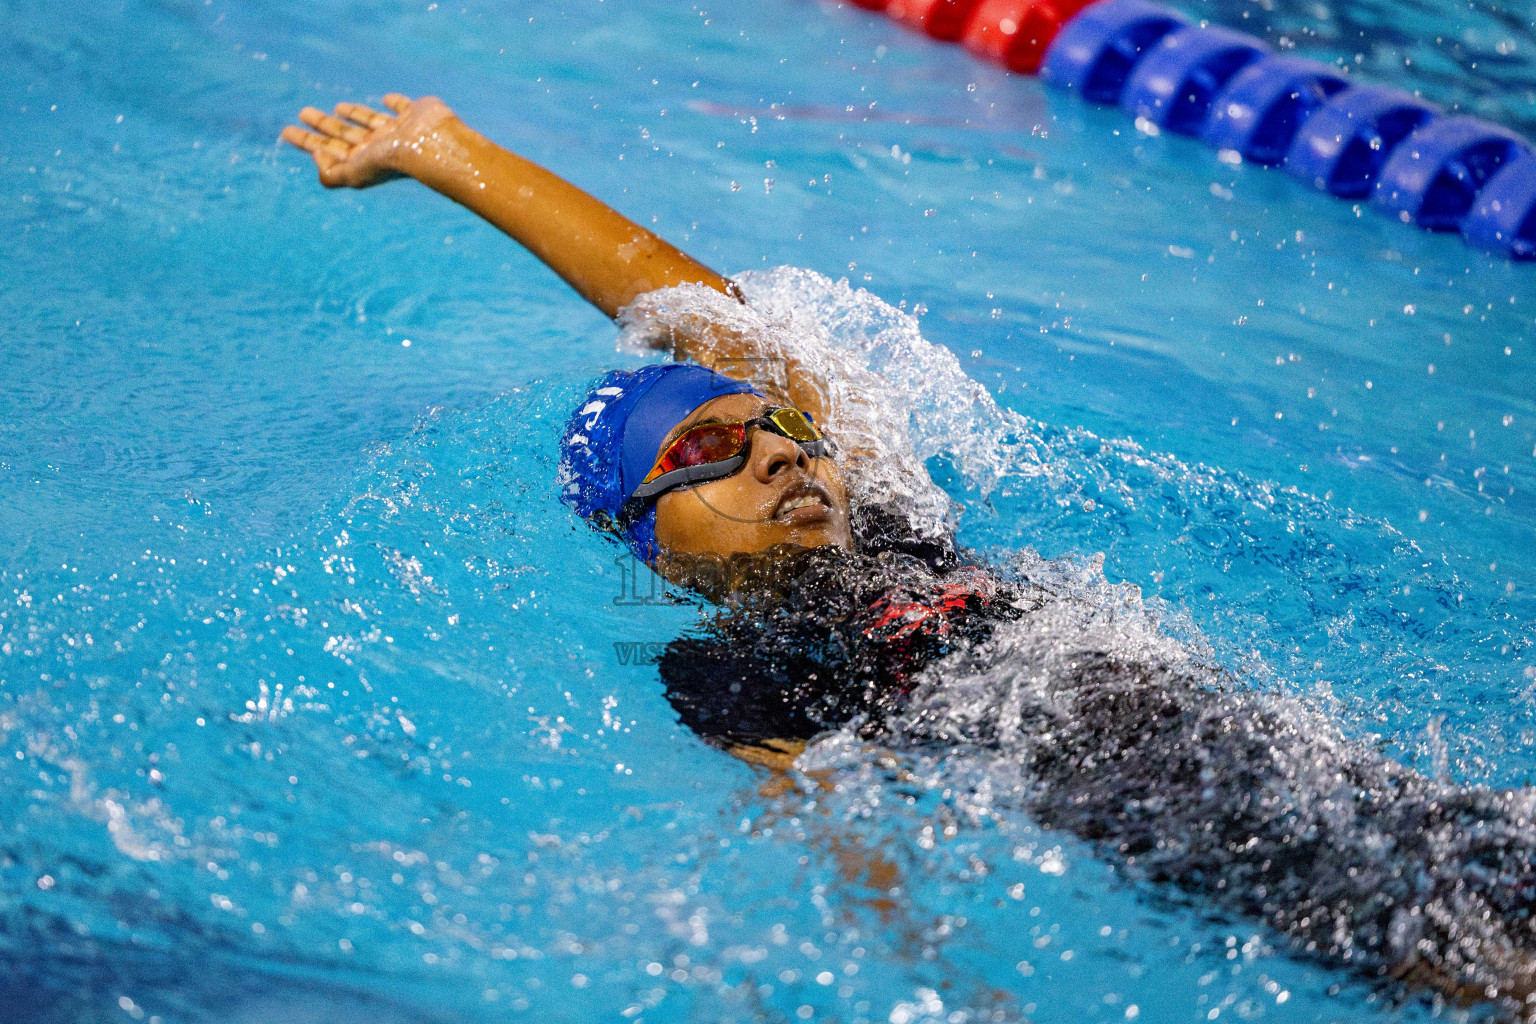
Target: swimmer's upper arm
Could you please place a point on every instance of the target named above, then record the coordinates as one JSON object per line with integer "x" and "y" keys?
{"x": 605, "y": 256}
{"x": 608, "y": 258}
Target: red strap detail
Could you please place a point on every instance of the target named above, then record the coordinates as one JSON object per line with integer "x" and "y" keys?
{"x": 900, "y": 614}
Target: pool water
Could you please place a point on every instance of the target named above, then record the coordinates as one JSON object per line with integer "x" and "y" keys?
{"x": 316, "y": 705}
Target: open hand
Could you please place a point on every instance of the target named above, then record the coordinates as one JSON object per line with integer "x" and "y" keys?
{"x": 360, "y": 146}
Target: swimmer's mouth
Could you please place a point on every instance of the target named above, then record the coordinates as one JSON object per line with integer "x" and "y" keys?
{"x": 804, "y": 504}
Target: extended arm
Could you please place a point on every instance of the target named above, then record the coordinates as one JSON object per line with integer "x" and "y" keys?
{"x": 607, "y": 258}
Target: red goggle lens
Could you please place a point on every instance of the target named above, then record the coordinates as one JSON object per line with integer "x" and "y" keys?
{"x": 712, "y": 442}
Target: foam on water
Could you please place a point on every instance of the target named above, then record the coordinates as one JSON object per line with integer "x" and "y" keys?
{"x": 356, "y": 687}
{"x": 1090, "y": 716}
{"x": 910, "y": 406}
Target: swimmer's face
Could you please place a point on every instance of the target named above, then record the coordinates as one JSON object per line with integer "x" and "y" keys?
{"x": 780, "y": 496}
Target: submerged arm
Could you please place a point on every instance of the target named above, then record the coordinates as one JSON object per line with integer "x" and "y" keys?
{"x": 609, "y": 259}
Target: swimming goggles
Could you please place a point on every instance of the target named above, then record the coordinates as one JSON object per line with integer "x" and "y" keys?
{"x": 713, "y": 451}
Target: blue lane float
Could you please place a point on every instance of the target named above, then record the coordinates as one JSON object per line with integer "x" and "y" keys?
{"x": 1434, "y": 176}
{"x": 1096, "y": 51}
{"x": 1259, "y": 112}
{"x": 1268, "y": 109}
{"x": 1343, "y": 146}
{"x": 1504, "y": 217}
{"x": 1174, "y": 83}
{"x": 1443, "y": 173}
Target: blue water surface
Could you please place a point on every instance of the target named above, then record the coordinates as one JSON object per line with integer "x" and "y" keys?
{"x": 316, "y": 705}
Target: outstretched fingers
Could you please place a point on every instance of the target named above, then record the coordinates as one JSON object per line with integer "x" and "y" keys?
{"x": 315, "y": 144}
{"x": 328, "y": 154}
{"x": 365, "y": 116}
{"x": 354, "y": 146}
{"x": 333, "y": 126}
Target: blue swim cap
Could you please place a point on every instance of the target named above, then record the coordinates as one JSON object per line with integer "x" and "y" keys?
{"x": 610, "y": 442}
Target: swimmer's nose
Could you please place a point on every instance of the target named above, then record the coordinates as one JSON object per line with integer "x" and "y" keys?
{"x": 773, "y": 456}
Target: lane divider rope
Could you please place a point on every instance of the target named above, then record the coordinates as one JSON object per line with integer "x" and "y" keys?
{"x": 1411, "y": 159}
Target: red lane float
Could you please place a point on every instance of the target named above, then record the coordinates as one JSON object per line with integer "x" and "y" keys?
{"x": 1015, "y": 33}
{"x": 941, "y": 19}
{"x": 1303, "y": 116}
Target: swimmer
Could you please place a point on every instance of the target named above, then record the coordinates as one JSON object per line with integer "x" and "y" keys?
{"x": 828, "y": 612}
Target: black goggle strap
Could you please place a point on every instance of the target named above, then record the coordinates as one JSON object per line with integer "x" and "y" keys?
{"x": 688, "y": 475}
{"x": 818, "y": 449}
